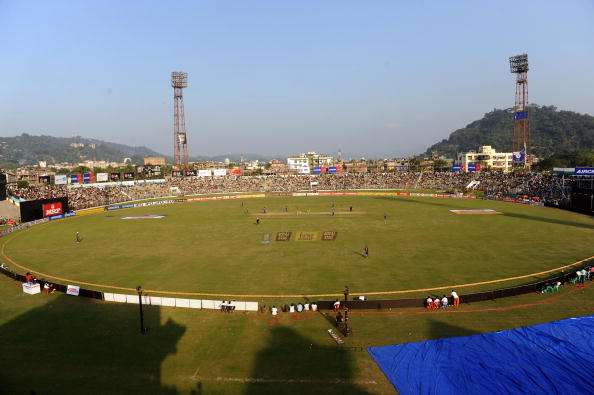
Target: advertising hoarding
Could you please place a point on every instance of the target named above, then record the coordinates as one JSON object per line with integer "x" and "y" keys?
{"x": 584, "y": 171}
{"x": 60, "y": 179}
{"x": 76, "y": 178}
{"x": 87, "y": 178}
{"x": 235, "y": 171}
{"x": 51, "y": 209}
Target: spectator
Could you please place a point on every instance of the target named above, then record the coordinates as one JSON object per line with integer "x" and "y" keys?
{"x": 336, "y": 305}
{"x": 456, "y": 298}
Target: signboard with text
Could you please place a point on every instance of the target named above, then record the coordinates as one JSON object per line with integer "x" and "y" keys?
{"x": 51, "y": 209}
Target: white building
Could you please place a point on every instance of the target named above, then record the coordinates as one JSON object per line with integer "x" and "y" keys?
{"x": 299, "y": 164}
{"x": 488, "y": 158}
{"x": 304, "y": 163}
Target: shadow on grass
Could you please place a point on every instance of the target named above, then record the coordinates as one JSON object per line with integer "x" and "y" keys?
{"x": 440, "y": 329}
{"x": 506, "y": 214}
{"x": 291, "y": 363}
{"x": 72, "y": 345}
{"x": 550, "y": 220}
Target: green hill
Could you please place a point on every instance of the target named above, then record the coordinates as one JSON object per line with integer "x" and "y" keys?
{"x": 28, "y": 149}
{"x": 555, "y": 133}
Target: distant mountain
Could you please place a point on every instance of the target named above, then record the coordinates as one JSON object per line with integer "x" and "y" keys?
{"x": 27, "y": 149}
{"x": 554, "y": 132}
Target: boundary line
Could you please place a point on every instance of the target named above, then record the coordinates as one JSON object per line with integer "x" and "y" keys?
{"x": 267, "y": 296}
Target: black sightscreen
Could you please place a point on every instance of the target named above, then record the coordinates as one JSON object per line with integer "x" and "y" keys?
{"x": 2, "y": 186}
{"x": 33, "y": 209}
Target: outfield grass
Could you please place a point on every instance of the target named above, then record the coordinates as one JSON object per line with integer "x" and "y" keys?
{"x": 215, "y": 247}
{"x": 64, "y": 344}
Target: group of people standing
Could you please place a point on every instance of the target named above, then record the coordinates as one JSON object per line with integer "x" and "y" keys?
{"x": 436, "y": 303}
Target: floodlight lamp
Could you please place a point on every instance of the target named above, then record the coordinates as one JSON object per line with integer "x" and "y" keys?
{"x": 518, "y": 64}
{"x": 179, "y": 79}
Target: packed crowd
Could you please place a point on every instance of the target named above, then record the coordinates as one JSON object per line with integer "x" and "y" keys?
{"x": 494, "y": 185}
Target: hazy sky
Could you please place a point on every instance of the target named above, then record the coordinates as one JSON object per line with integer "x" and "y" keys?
{"x": 278, "y": 77}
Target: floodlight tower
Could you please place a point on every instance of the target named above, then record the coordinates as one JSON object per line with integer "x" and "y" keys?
{"x": 179, "y": 80}
{"x": 521, "y": 136}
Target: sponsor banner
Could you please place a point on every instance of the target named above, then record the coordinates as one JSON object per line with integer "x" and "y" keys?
{"x": 564, "y": 170}
{"x": 24, "y": 225}
{"x": 60, "y": 179}
{"x": 316, "y": 170}
{"x": 484, "y": 211}
{"x": 87, "y": 178}
{"x": 128, "y": 176}
{"x": 89, "y": 211}
{"x": 72, "y": 290}
{"x": 584, "y": 171}
{"x": 283, "y": 236}
{"x": 332, "y": 169}
{"x": 102, "y": 177}
{"x": 307, "y": 236}
{"x": 114, "y": 176}
{"x": 177, "y": 173}
{"x": 204, "y": 173}
{"x": 71, "y": 214}
{"x": 235, "y": 171}
{"x": 155, "y": 203}
{"x": 329, "y": 235}
{"x": 519, "y": 115}
{"x": 53, "y": 217}
{"x": 190, "y": 173}
{"x": 44, "y": 179}
{"x": 156, "y": 181}
{"x": 370, "y": 193}
{"x": 219, "y": 172}
{"x": 338, "y": 193}
{"x": 76, "y": 178}
{"x": 456, "y": 168}
{"x": 519, "y": 158}
{"x": 224, "y": 197}
{"x": 51, "y": 209}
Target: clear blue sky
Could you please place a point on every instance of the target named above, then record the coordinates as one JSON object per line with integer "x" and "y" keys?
{"x": 276, "y": 77}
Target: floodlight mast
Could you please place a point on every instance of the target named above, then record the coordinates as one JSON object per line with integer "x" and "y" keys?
{"x": 521, "y": 134}
{"x": 179, "y": 80}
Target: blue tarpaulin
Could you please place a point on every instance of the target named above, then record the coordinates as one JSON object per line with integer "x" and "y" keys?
{"x": 552, "y": 358}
